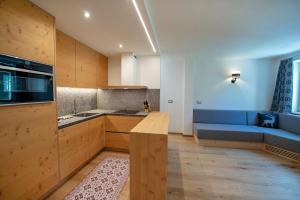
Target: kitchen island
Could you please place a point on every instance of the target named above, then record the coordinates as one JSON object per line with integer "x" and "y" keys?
{"x": 148, "y": 157}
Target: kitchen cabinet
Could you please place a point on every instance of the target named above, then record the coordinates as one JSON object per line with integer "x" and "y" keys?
{"x": 79, "y": 65}
{"x": 73, "y": 148}
{"x": 87, "y": 62}
{"x": 28, "y": 137}
{"x": 117, "y": 131}
{"x": 65, "y": 60}
{"x": 79, "y": 143}
{"x": 102, "y": 72}
{"x": 96, "y": 135}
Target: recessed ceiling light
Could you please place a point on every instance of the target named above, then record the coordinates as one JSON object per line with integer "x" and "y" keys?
{"x": 87, "y": 14}
{"x": 120, "y": 45}
{"x": 144, "y": 25}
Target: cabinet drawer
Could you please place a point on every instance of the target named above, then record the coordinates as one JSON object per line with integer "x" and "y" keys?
{"x": 116, "y": 123}
{"x": 116, "y": 140}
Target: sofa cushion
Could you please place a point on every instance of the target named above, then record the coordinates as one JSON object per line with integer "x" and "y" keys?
{"x": 252, "y": 117}
{"x": 220, "y": 117}
{"x": 281, "y": 138}
{"x": 228, "y": 132}
{"x": 290, "y": 123}
{"x": 268, "y": 120}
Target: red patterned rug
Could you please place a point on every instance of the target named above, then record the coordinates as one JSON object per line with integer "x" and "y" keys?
{"x": 105, "y": 182}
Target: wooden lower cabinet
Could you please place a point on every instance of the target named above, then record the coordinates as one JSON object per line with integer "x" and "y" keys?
{"x": 73, "y": 151}
{"x": 79, "y": 143}
{"x": 118, "y": 141}
{"x": 117, "y": 131}
{"x": 118, "y": 123}
{"x": 96, "y": 135}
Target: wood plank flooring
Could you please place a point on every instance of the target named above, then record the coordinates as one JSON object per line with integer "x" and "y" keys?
{"x": 202, "y": 173}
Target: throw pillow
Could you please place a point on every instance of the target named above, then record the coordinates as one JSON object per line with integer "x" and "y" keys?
{"x": 268, "y": 120}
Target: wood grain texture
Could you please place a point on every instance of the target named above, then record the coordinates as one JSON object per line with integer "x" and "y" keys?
{"x": 148, "y": 158}
{"x": 87, "y": 62}
{"x": 65, "y": 60}
{"x": 117, "y": 141}
{"x": 73, "y": 148}
{"x": 28, "y": 151}
{"x": 26, "y": 31}
{"x": 102, "y": 72}
{"x": 96, "y": 140}
{"x": 154, "y": 123}
{"x": 116, "y": 123}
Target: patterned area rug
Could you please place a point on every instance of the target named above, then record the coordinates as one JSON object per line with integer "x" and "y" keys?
{"x": 105, "y": 182}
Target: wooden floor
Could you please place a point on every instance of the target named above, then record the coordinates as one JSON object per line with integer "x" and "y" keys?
{"x": 198, "y": 173}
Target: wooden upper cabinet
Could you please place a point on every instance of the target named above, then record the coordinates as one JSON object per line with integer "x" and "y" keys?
{"x": 102, "y": 75}
{"x": 79, "y": 65}
{"x": 65, "y": 60}
{"x": 87, "y": 62}
{"x": 26, "y": 31}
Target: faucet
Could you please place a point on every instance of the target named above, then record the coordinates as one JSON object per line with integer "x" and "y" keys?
{"x": 74, "y": 109}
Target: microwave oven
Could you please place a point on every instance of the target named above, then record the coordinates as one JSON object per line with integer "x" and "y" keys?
{"x": 25, "y": 82}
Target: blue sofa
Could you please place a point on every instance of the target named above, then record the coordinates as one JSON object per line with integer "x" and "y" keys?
{"x": 242, "y": 126}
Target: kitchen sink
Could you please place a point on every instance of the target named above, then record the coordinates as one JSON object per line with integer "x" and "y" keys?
{"x": 85, "y": 114}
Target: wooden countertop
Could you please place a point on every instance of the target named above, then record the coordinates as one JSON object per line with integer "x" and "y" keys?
{"x": 154, "y": 123}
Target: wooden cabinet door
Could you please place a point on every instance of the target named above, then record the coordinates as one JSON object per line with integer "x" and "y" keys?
{"x": 117, "y": 141}
{"x": 96, "y": 136}
{"x": 102, "y": 72}
{"x": 73, "y": 151}
{"x": 117, "y": 123}
{"x": 65, "y": 60}
{"x": 87, "y": 62}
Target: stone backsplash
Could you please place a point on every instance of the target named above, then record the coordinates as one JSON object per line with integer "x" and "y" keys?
{"x": 69, "y": 99}
{"x": 128, "y": 99}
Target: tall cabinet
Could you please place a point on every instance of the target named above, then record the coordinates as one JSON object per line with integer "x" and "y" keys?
{"x": 79, "y": 65}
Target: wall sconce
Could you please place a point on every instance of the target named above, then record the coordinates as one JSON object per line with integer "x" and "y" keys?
{"x": 235, "y": 76}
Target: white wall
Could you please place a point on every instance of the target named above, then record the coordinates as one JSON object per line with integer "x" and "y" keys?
{"x": 148, "y": 71}
{"x": 172, "y": 89}
{"x": 114, "y": 70}
{"x": 187, "y": 80}
{"x": 128, "y": 69}
{"x": 253, "y": 91}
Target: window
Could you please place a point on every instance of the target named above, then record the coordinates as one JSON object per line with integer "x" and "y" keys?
{"x": 296, "y": 87}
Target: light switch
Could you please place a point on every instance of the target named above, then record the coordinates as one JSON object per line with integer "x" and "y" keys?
{"x": 170, "y": 101}
{"x": 199, "y": 102}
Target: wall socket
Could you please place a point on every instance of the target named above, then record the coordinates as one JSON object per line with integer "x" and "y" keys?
{"x": 198, "y": 102}
{"x": 170, "y": 101}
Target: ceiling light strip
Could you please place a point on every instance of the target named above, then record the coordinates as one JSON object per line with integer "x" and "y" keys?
{"x": 144, "y": 25}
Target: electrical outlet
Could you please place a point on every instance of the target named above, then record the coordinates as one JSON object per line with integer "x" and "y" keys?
{"x": 198, "y": 102}
{"x": 170, "y": 101}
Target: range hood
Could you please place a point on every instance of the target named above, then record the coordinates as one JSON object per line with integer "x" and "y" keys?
{"x": 125, "y": 73}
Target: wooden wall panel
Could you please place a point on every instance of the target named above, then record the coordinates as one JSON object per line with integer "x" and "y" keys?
{"x": 26, "y": 31}
{"x": 65, "y": 60}
{"x": 73, "y": 148}
{"x": 28, "y": 151}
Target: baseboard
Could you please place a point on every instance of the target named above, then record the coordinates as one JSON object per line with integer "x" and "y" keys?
{"x": 229, "y": 144}
{"x": 282, "y": 153}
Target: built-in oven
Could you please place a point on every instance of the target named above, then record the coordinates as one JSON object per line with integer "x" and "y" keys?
{"x": 23, "y": 81}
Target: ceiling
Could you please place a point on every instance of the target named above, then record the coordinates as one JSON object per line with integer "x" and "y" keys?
{"x": 112, "y": 22}
{"x": 236, "y": 29}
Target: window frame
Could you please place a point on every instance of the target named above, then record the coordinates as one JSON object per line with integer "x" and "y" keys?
{"x": 296, "y": 87}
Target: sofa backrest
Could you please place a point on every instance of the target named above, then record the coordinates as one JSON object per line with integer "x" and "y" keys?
{"x": 290, "y": 123}
{"x": 220, "y": 116}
